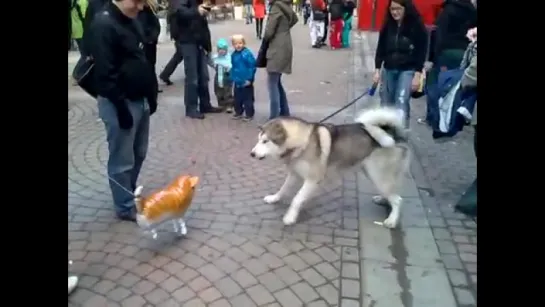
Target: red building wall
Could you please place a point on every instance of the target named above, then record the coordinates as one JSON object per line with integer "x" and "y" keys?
{"x": 371, "y": 13}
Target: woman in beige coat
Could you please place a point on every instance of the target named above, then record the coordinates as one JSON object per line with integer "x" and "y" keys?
{"x": 279, "y": 53}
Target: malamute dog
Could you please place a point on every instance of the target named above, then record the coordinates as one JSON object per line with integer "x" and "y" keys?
{"x": 376, "y": 143}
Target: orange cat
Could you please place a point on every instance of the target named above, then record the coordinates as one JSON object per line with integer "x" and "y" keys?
{"x": 168, "y": 204}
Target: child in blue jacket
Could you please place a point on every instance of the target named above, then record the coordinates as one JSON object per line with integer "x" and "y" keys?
{"x": 223, "y": 85}
{"x": 243, "y": 73}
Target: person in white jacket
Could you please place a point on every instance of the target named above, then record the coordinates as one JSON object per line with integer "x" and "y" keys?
{"x": 317, "y": 22}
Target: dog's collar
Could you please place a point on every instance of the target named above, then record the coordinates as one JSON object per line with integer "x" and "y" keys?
{"x": 287, "y": 153}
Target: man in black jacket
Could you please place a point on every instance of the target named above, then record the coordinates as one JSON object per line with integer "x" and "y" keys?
{"x": 127, "y": 96}
{"x": 152, "y": 29}
{"x": 195, "y": 44}
{"x": 177, "y": 57}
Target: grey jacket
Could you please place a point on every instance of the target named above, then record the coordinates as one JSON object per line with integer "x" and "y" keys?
{"x": 277, "y": 34}
{"x": 469, "y": 79}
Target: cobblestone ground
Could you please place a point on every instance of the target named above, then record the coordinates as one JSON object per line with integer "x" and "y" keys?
{"x": 447, "y": 170}
{"x": 237, "y": 252}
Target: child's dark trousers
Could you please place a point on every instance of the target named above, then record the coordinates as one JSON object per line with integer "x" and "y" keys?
{"x": 244, "y": 100}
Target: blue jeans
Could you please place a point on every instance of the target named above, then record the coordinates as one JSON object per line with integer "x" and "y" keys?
{"x": 395, "y": 90}
{"x": 249, "y": 9}
{"x": 196, "y": 94}
{"x": 277, "y": 96}
{"x": 127, "y": 150}
{"x": 244, "y": 100}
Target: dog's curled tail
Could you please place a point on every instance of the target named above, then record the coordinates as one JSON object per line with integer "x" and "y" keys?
{"x": 376, "y": 120}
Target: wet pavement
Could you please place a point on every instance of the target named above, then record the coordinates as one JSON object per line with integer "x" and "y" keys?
{"x": 237, "y": 251}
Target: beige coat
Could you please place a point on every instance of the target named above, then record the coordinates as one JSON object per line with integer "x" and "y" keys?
{"x": 280, "y": 20}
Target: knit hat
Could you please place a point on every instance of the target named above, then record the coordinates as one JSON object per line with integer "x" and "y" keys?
{"x": 222, "y": 44}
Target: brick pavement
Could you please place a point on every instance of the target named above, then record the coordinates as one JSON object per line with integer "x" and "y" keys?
{"x": 237, "y": 252}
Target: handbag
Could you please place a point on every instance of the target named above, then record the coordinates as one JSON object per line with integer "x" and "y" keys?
{"x": 83, "y": 73}
{"x": 261, "y": 59}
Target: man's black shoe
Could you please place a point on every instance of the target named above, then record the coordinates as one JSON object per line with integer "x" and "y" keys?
{"x": 195, "y": 115}
{"x": 166, "y": 81}
{"x": 212, "y": 110}
{"x": 130, "y": 217}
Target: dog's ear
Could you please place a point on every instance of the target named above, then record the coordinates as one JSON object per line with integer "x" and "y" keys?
{"x": 277, "y": 133}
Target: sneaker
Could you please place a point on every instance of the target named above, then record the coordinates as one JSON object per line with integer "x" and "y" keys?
{"x": 237, "y": 116}
{"x": 229, "y": 110}
{"x": 422, "y": 121}
{"x": 72, "y": 283}
{"x": 247, "y": 118}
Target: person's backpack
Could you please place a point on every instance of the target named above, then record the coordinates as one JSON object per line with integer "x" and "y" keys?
{"x": 317, "y": 7}
{"x": 75, "y": 5}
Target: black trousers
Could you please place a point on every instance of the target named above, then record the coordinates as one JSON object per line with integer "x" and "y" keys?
{"x": 196, "y": 94}
{"x": 259, "y": 27}
{"x": 326, "y": 28}
{"x": 174, "y": 61}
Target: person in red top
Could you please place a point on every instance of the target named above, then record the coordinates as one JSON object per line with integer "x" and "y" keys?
{"x": 259, "y": 15}
{"x": 336, "y": 16}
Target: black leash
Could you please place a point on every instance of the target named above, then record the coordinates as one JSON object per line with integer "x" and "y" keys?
{"x": 370, "y": 91}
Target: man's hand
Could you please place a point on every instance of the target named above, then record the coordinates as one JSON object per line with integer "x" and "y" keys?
{"x": 247, "y": 83}
{"x": 428, "y": 66}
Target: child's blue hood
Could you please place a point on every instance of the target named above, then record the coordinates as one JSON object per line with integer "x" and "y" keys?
{"x": 222, "y": 44}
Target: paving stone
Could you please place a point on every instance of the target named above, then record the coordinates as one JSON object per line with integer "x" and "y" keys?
{"x": 312, "y": 277}
{"x": 209, "y": 295}
{"x": 465, "y": 297}
{"x": 349, "y": 303}
{"x": 329, "y": 293}
{"x": 183, "y": 294}
{"x": 350, "y": 288}
{"x": 199, "y": 283}
{"x": 157, "y": 296}
{"x": 351, "y": 270}
{"x": 286, "y": 297}
{"x": 242, "y": 300}
{"x": 305, "y": 292}
{"x": 260, "y": 295}
{"x": 228, "y": 287}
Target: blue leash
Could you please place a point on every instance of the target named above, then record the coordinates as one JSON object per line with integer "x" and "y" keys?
{"x": 370, "y": 92}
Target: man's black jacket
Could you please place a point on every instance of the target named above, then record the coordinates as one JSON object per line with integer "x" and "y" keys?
{"x": 94, "y": 7}
{"x": 192, "y": 27}
{"x": 121, "y": 69}
{"x": 150, "y": 24}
